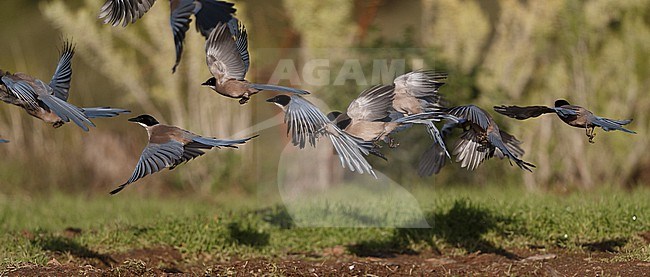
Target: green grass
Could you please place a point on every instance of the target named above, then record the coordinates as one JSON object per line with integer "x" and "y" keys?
{"x": 463, "y": 220}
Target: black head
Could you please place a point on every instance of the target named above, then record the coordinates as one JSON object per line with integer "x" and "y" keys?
{"x": 145, "y": 119}
{"x": 561, "y": 102}
{"x": 333, "y": 115}
{"x": 281, "y": 100}
{"x": 210, "y": 82}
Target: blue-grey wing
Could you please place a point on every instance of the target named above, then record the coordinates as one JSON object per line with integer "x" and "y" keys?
{"x": 155, "y": 157}
{"x": 21, "y": 90}
{"x": 115, "y": 12}
{"x": 60, "y": 82}
{"x": 473, "y": 114}
{"x": 240, "y": 34}
{"x": 305, "y": 121}
{"x": 180, "y": 22}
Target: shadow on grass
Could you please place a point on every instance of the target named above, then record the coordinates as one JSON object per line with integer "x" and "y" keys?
{"x": 247, "y": 235}
{"x": 463, "y": 226}
{"x": 67, "y": 245}
{"x": 277, "y": 216}
{"x": 610, "y": 245}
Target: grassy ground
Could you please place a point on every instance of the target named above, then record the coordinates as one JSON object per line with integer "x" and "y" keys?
{"x": 462, "y": 220}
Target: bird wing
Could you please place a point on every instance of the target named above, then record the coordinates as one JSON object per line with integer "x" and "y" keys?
{"x": 421, "y": 84}
{"x": 180, "y": 22}
{"x": 306, "y": 123}
{"x": 115, "y": 12}
{"x": 154, "y": 158}
{"x": 472, "y": 114}
{"x": 222, "y": 56}
{"x": 522, "y": 113}
{"x": 469, "y": 151}
{"x": 20, "y": 89}
{"x": 238, "y": 31}
{"x": 372, "y": 104}
{"x": 210, "y": 13}
{"x": 65, "y": 110}
{"x": 432, "y": 160}
{"x": 60, "y": 82}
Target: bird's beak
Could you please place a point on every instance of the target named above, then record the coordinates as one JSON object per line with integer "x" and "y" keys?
{"x": 271, "y": 100}
{"x": 135, "y": 119}
{"x": 205, "y": 83}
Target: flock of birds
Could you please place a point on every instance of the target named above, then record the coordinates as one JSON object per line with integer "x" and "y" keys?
{"x": 369, "y": 121}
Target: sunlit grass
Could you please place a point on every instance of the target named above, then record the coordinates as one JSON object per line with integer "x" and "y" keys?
{"x": 464, "y": 220}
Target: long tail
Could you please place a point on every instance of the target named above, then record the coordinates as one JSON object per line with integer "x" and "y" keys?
{"x": 103, "y": 112}
{"x": 222, "y": 143}
{"x": 611, "y": 124}
{"x": 278, "y": 88}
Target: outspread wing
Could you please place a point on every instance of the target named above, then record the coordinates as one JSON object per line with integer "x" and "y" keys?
{"x": 60, "y": 82}
{"x": 469, "y": 150}
{"x": 422, "y": 84}
{"x": 473, "y": 114}
{"x": 241, "y": 40}
{"x": 222, "y": 56}
{"x": 20, "y": 89}
{"x": 307, "y": 123}
{"x": 372, "y": 104}
{"x": 522, "y": 113}
{"x": 154, "y": 158}
{"x": 115, "y": 12}
{"x": 180, "y": 22}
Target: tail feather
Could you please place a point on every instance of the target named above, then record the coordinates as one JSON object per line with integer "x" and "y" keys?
{"x": 278, "y": 88}
{"x": 611, "y": 124}
{"x": 222, "y": 143}
{"x": 103, "y": 112}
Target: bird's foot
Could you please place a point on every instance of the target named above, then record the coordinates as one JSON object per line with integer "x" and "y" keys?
{"x": 591, "y": 135}
{"x": 392, "y": 143}
{"x": 58, "y": 124}
{"x": 243, "y": 100}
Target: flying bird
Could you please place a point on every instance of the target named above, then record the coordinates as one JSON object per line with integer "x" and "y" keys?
{"x": 367, "y": 116}
{"x": 227, "y": 58}
{"x": 207, "y": 13}
{"x": 306, "y": 124}
{"x": 170, "y": 146}
{"x": 572, "y": 115}
{"x": 481, "y": 140}
{"x": 418, "y": 100}
{"x": 48, "y": 102}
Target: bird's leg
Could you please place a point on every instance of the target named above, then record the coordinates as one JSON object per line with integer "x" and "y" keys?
{"x": 58, "y": 124}
{"x": 376, "y": 144}
{"x": 591, "y": 134}
{"x": 244, "y": 99}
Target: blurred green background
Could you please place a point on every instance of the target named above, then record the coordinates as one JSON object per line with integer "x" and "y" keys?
{"x": 593, "y": 53}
